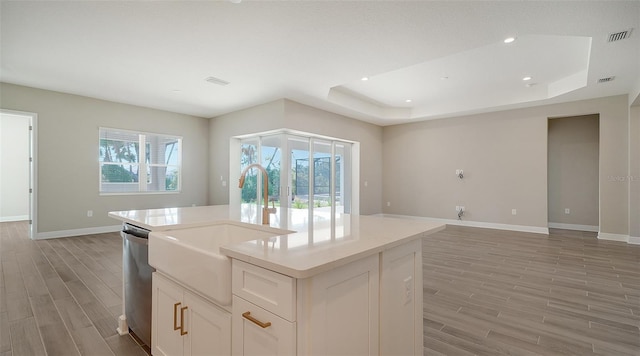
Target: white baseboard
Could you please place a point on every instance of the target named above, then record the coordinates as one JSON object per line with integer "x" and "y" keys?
{"x": 634, "y": 240}
{"x": 613, "y": 237}
{"x": 14, "y": 218}
{"x": 76, "y": 232}
{"x": 591, "y": 228}
{"x": 522, "y": 228}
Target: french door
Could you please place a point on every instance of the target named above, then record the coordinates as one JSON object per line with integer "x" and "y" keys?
{"x": 310, "y": 177}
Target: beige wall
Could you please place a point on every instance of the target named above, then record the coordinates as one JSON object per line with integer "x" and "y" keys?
{"x": 504, "y": 157}
{"x": 573, "y": 181}
{"x": 291, "y": 115}
{"x": 634, "y": 172}
{"x": 68, "y": 155}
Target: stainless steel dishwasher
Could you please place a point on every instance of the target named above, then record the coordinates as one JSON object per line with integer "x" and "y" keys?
{"x": 137, "y": 281}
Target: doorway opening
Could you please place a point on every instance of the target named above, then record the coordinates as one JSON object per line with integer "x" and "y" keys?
{"x": 573, "y": 173}
{"x": 18, "y": 167}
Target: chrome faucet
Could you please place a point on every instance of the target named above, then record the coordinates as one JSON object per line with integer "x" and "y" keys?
{"x": 265, "y": 191}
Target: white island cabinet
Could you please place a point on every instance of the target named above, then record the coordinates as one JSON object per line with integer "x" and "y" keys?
{"x": 186, "y": 324}
{"x": 346, "y": 285}
{"x": 366, "y": 307}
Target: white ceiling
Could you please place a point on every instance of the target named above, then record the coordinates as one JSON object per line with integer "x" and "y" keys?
{"x": 158, "y": 54}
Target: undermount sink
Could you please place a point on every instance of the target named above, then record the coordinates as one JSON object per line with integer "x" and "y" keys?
{"x": 192, "y": 256}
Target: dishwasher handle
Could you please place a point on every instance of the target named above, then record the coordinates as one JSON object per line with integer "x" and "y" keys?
{"x": 135, "y": 239}
{"x": 135, "y": 231}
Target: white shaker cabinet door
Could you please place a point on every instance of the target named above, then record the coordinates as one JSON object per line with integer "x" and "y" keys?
{"x": 208, "y": 328}
{"x": 338, "y": 310}
{"x": 257, "y": 331}
{"x": 167, "y": 307}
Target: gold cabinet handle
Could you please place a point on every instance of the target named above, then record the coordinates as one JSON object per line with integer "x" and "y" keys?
{"x": 182, "y": 332}
{"x": 175, "y": 316}
{"x": 247, "y": 315}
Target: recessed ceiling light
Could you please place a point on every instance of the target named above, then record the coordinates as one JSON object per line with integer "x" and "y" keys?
{"x": 407, "y": 101}
{"x": 526, "y": 78}
{"x": 364, "y": 79}
{"x": 509, "y": 39}
{"x": 444, "y": 78}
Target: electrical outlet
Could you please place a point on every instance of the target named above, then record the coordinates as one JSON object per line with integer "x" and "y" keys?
{"x": 388, "y": 203}
{"x": 567, "y": 211}
{"x": 514, "y": 212}
{"x": 457, "y": 208}
{"x": 89, "y": 213}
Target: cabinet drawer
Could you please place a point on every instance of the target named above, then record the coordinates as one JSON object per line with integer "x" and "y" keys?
{"x": 272, "y": 291}
{"x": 259, "y": 332}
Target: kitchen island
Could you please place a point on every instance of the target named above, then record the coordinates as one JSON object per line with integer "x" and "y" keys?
{"x": 306, "y": 284}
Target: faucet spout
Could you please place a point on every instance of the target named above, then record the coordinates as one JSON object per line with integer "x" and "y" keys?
{"x": 265, "y": 190}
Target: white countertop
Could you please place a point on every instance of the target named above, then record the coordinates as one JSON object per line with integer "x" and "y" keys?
{"x": 304, "y": 254}
{"x": 319, "y": 243}
{"x": 176, "y": 218}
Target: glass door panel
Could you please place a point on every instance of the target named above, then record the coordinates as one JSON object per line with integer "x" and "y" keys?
{"x": 271, "y": 153}
{"x": 250, "y": 200}
{"x": 308, "y": 177}
{"x": 342, "y": 195}
{"x": 322, "y": 179}
{"x": 298, "y": 179}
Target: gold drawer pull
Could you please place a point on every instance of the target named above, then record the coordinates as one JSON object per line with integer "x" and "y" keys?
{"x": 175, "y": 316}
{"x": 182, "y": 332}
{"x": 247, "y": 315}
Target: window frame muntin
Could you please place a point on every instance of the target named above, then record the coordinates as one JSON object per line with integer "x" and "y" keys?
{"x": 143, "y": 153}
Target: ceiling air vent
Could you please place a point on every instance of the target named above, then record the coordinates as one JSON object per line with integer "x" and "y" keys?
{"x": 605, "y": 80}
{"x": 618, "y": 36}
{"x": 218, "y": 81}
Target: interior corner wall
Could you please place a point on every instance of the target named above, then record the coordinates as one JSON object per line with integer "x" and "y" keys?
{"x": 68, "y": 172}
{"x": 573, "y": 159}
{"x": 287, "y": 114}
{"x": 308, "y": 119}
{"x": 504, "y": 158}
{"x": 634, "y": 172}
{"x": 260, "y": 118}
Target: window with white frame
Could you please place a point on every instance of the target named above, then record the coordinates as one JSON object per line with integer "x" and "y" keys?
{"x": 122, "y": 171}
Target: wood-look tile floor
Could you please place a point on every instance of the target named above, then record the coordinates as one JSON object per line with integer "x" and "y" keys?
{"x": 61, "y": 296}
{"x": 491, "y": 292}
{"x": 486, "y": 292}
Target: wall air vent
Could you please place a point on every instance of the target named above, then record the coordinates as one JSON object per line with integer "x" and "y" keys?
{"x": 618, "y": 36}
{"x": 605, "y": 80}
{"x": 218, "y": 81}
